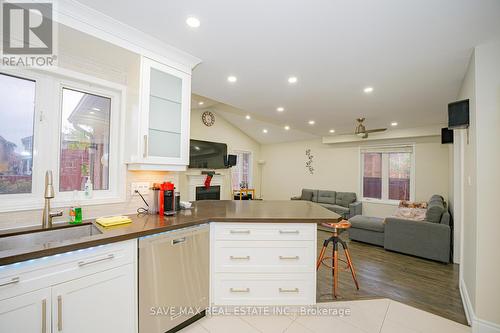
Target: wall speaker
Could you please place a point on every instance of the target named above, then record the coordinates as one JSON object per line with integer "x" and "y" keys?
{"x": 231, "y": 160}
{"x": 458, "y": 114}
{"x": 446, "y": 136}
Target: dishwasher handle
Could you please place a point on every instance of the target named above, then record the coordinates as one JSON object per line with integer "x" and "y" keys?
{"x": 178, "y": 240}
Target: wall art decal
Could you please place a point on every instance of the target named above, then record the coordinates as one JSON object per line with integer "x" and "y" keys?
{"x": 309, "y": 161}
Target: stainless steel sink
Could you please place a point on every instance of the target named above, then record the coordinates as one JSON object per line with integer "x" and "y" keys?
{"x": 47, "y": 236}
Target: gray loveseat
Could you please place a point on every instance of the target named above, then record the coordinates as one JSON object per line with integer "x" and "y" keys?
{"x": 429, "y": 239}
{"x": 342, "y": 203}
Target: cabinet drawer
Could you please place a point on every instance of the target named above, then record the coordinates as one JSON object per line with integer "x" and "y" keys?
{"x": 34, "y": 274}
{"x": 264, "y": 231}
{"x": 264, "y": 256}
{"x": 269, "y": 289}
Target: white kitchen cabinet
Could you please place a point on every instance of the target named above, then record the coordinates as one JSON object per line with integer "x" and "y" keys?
{"x": 262, "y": 263}
{"x": 96, "y": 303}
{"x": 88, "y": 290}
{"x": 27, "y": 313}
{"x": 165, "y": 105}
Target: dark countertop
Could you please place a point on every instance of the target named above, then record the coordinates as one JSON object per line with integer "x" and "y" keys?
{"x": 255, "y": 211}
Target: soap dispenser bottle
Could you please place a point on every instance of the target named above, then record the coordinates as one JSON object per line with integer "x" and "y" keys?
{"x": 88, "y": 189}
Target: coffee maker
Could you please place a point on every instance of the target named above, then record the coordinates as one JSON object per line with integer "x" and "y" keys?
{"x": 169, "y": 198}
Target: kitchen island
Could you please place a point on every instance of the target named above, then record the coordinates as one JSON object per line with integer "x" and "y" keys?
{"x": 219, "y": 253}
{"x": 142, "y": 225}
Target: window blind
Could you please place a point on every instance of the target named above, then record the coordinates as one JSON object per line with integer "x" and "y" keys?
{"x": 388, "y": 149}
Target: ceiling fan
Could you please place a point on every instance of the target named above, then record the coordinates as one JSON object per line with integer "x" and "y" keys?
{"x": 361, "y": 130}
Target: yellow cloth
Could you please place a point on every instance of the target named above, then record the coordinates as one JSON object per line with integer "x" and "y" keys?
{"x": 108, "y": 221}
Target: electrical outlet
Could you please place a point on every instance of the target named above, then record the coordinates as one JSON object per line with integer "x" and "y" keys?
{"x": 142, "y": 187}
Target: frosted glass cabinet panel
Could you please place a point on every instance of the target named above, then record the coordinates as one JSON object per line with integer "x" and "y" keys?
{"x": 166, "y": 86}
{"x": 165, "y": 109}
{"x": 157, "y": 146}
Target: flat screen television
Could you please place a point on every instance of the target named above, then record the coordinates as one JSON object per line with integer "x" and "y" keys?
{"x": 207, "y": 155}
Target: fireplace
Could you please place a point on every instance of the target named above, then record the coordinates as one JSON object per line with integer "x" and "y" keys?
{"x": 196, "y": 186}
{"x": 212, "y": 193}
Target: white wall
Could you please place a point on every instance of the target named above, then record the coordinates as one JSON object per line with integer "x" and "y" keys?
{"x": 337, "y": 168}
{"x": 480, "y": 269}
{"x": 224, "y": 132}
{"x": 488, "y": 181}
{"x": 465, "y": 185}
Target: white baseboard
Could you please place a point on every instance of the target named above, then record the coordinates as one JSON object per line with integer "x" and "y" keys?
{"x": 478, "y": 325}
{"x": 483, "y": 326}
{"x": 464, "y": 293}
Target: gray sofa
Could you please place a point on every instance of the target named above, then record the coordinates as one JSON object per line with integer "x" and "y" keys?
{"x": 342, "y": 203}
{"x": 429, "y": 239}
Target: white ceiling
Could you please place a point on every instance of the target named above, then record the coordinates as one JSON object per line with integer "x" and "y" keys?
{"x": 254, "y": 126}
{"x": 414, "y": 53}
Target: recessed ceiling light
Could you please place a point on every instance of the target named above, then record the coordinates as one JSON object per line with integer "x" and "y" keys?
{"x": 264, "y": 131}
{"x": 394, "y": 123}
{"x": 247, "y": 117}
{"x": 96, "y": 109}
{"x": 332, "y": 131}
{"x": 287, "y": 127}
{"x": 197, "y": 148}
{"x": 92, "y": 112}
{"x": 311, "y": 122}
{"x": 292, "y": 79}
{"x": 368, "y": 90}
{"x": 232, "y": 78}
{"x": 193, "y": 22}
{"x": 280, "y": 109}
{"x": 201, "y": 103}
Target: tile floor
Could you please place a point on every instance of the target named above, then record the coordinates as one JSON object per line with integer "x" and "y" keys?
{"x": 366, "y": 316}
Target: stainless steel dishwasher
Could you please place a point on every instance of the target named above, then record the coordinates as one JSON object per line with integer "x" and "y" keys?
{"x": 173, "y": 278}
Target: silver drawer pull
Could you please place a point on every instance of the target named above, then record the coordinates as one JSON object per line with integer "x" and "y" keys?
{"x": 289, "y": 231}
{"x": 239, "y": 231}
{"x": 241, "y": 290}
{"x": 289, "y": 258}
{"x": 178, "y": 240}
{"x": 44, "y": 316}
{"x": 85, "y": 263}
{"x": 240, "y": 258}
{"x": 284, "y": 290}
{"x": 59, "y": 313}
{"x": 12, "y": 281}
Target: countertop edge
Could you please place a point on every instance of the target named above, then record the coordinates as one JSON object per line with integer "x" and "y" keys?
{"x": 36, "y": 254}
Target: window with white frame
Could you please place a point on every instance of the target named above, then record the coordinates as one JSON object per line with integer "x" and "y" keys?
{"x": 85, "y": 134}
{"x": 241, "y": 173}
{"x": 17, "y": 113}
{"x": 69, "y": 124}
{"x": 387, "y": 173}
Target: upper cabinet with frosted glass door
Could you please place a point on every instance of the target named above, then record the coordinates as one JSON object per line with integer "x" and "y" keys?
{"x": 164, "y": 118}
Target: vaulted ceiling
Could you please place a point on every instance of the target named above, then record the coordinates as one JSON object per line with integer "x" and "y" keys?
{"x": 413, "y": 53}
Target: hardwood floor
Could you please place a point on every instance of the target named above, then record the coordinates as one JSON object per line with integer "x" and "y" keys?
{"x": 424, "y": 284}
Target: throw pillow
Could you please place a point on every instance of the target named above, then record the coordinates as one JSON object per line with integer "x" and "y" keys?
{"x": 417, "y": 214}
{"x": 411, "y": 204}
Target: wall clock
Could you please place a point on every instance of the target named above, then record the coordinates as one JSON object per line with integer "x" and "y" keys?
{"x": 208, "y": 118}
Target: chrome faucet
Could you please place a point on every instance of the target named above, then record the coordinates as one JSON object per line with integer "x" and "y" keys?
{"x": 49, "y": 194}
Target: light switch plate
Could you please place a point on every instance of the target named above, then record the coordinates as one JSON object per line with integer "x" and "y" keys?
{"x": 142, "y": 187}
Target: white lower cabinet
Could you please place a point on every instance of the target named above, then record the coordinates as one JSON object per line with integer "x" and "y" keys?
{"x": 262, "y": 263}
{"x": 89, "y": 290}
{"x": 95, "y": 303}
{"x": 28, "y": 313}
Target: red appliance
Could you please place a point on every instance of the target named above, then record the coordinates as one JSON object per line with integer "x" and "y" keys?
{"x": 165, "y": 187}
